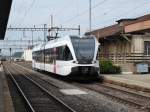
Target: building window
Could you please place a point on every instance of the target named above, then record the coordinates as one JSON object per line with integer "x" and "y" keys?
{"x": 146, "y": 47}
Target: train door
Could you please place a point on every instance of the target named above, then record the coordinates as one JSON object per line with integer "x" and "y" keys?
{"x": 63, "y": 59}
{"x": 54, "y": 59}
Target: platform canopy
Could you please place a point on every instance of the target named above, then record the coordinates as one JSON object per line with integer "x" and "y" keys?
{"x": 5, "y": 6}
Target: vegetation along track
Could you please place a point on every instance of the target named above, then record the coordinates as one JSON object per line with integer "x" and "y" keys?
{"x": 36, "y": 96}
{"x": 125, "y": 96}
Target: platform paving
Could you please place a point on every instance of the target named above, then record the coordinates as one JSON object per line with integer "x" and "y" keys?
{"x": 1, "y": 91}
{"x": 135, "y": 81}
{"x": 6, "y": 104}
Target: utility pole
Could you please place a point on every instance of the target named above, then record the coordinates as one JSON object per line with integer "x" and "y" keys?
{"x": 51, "y": 25}
{"x": 45, "y": 33}
{"x": 90, "y": 15}
{"x": 79, "y": 30}
{"x": 10, "y": 54}
{"x": 32, "y": 38}
{"x": 51, "y": 21}
{"x": 44, "y": 42}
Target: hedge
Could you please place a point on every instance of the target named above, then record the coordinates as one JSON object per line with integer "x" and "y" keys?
{"x": 107, "y": 67}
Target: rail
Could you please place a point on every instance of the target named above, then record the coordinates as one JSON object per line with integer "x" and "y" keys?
{"x": 129, "y": 98}
{"x": 30, "y": 107}
{"x": 46, "y": 91}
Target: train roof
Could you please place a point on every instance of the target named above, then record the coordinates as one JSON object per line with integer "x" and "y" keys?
{"x": 56, "y": 42}
{"x": 38, "y": 47}
{"x": 52, "y": 42}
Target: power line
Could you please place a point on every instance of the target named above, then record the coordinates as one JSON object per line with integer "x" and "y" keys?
{"x": 127, "y": 12}
{"x": 30, "y": 7}
{"x": 84, "y": 12}
{"x": 27, "y": 11}
{"x": 90, "y": 15}
{"x": 21, "y": 4}
{"x": 62, "y": 9}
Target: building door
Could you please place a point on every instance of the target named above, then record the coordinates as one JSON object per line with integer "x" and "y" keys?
{"x": 146, "y": 47}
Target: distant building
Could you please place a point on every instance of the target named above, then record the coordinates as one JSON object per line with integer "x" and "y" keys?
{"x": 17, "y": 56}
{"x": 127, "y": 43}
{"x": 27, "y": 55}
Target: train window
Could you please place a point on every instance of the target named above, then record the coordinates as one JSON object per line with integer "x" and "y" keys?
{"x": 51, "y": 55}
{"x": 98, "y": 53}
{"x": 60, "y": 53}
{"x": 67, "y": 54}
{"x": 84, "y": 48}
{"x": 47, "y": 56}
{"x": 37, "y": 56}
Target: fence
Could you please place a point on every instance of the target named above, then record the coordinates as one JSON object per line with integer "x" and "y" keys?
{"x": 126, "y": 57}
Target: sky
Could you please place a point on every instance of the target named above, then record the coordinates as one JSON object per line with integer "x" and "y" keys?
{"x": 71, "y": 13}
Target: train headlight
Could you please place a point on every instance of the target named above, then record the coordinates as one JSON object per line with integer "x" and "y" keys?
{"x": 93, "y": 62}
{"x": 75, "y": 62}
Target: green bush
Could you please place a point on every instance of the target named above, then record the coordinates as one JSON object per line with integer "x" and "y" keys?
{"x": 107, "y": 67}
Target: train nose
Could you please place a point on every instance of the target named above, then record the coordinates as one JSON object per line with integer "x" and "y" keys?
{"x": 85, "y": 70}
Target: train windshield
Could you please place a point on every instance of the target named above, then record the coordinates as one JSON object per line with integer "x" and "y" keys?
{"x": 84, "y": 48}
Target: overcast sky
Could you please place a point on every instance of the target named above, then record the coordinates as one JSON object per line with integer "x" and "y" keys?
{"x": 71, "y": 13}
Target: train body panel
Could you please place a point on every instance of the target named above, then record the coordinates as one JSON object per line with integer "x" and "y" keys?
{"x": 67, "y": 56}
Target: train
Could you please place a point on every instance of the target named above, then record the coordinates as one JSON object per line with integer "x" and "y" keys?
{"x": 68, "y": 56}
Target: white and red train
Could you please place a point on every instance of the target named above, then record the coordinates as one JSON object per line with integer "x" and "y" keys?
{"x": 69, "y": 55}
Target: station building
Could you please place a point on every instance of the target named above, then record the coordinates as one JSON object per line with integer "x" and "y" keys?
{"x": 127, "y": 44}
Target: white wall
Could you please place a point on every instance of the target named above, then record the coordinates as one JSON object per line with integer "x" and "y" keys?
{"x": 137, "y": 44}
{"x": 28, "y": 55}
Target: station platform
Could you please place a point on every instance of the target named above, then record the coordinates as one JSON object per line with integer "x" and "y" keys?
{"x": 134, "y": 81}
{"x": 6, "y": 104}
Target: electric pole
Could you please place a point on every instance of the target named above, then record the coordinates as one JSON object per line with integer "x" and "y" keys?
{"x": 10, "y": 54}
{"x": 90, "y": 15}
{"x": 32, "y": 38}
{"x": 45, "y": 32}
{"x": 44, "y": 42}
{"x": 51, "y": 24}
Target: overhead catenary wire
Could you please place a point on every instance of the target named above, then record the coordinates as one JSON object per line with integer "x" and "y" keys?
{"x": 18, "y": 7}
{"x": 127, "y": 12}
{"x": 27, "y": 12}
{"x": 100, "y": 15}
{"x": 21, "y": 5}
{"x": 30, "y": 7}
{"x": 84, "y": 12}
{"x": 60, "y": 11}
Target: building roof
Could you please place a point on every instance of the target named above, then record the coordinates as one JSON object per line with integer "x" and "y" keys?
{"x": 129, "y": 25}
{"x": 5, "y": 6}
{"x": 140, "y": 19}
{"x": 107, "y": 31}
{"x": 129, "y": 19}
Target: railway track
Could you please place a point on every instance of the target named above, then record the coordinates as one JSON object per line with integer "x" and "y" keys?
{"x": 135, "y": 93}
{"x": 130, "y": 98}
{"x": 37, "y": 98}
{"x": 127, "y": 97}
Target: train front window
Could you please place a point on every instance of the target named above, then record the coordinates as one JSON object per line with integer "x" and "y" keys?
{"x": 84, "y": 48}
